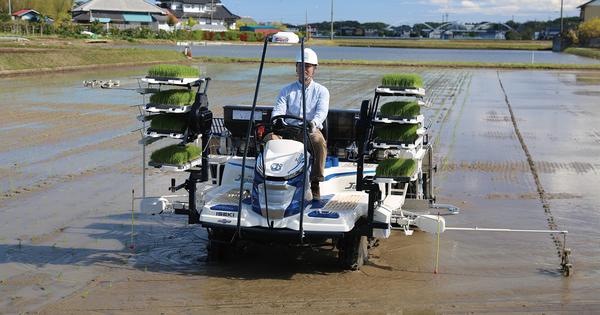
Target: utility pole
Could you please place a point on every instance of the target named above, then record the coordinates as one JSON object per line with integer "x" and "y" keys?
{"x": 9, "y": 9}
{"x": 212, "y": 10}
{"x": 561, "y": 18}
{"x": 307, "y": 35}
{"x": 331, "y": 37}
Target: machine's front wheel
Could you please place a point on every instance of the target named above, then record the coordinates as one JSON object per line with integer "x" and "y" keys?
{"x": 353, "y": 251}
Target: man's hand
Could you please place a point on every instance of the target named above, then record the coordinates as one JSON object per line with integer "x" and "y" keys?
{"x": 312, "y": 126}
{"x": 279, "y": 123}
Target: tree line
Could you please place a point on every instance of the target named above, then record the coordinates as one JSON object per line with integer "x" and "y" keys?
{"x": 522, "y": 30}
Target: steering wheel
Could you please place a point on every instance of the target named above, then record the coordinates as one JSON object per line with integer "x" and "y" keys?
{"x": 290, "y": 131}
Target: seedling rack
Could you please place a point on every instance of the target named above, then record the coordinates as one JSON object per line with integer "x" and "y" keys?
{"x": 372, "y": 150}
{"x": 198, "y": 122}
{"x": 371, "y": 118}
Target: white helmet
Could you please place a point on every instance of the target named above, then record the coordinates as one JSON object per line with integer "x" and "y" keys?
{"x": 310, "y": 56}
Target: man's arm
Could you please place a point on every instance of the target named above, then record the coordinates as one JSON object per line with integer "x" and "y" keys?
{"x": 322, "y": 107}
{"x": 280, "y": 107}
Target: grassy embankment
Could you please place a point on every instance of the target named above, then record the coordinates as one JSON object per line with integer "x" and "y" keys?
{"x": 25, "y": 59}
{"x": 438, "y": 44}
{"x": 424, "y": 64}
{"x": 584, "y": 52}
{"x": 16, "y": 58}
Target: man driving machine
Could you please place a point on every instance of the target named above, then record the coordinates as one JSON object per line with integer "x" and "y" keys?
{"x": 289, "y": 102}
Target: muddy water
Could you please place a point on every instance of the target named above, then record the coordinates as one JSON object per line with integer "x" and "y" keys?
{"x": 70, "y": 160}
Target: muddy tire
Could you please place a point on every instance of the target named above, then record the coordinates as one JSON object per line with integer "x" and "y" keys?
{"x": 353, "y": 251}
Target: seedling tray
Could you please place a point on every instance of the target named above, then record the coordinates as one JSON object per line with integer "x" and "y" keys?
{"x": 177, "y": 168}
{"x": 168, "y": 109}
{"x": 172, "y": 81}
{"x": 397, "y": 144}
{"x": 154, "y": 133}
{"x": 394, "y": 91}
{"x": 394, "y": 180}
{"x": 420, "y": 119}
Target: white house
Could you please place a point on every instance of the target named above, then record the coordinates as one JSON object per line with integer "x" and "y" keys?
{"x": 211, "y": 15}
{"x": 122, "y": 14}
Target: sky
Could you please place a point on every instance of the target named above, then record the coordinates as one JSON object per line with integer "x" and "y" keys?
{"x": 398, "y": 12}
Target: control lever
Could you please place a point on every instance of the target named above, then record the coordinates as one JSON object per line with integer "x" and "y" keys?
{"x": 175, "y": 188}
{"x": 352, "y": 152}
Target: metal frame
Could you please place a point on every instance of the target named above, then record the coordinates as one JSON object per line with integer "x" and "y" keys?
{"x": 196, "y": 175}
{"x": 368, "y": 119}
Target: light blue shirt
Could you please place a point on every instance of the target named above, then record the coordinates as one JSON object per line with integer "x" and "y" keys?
{"x": 289, "y": 102}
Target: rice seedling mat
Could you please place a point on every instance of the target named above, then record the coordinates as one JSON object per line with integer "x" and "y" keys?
{"x": 402, "y": 80}
{"x": 167, "y": 125}
{"x": 420, "y": 119}
{"x": 176, "y": 101}
{"x": 385, "y": 179}
{"x": 176, "y": 158}
{"x": 391, "y": 91}
{"x": 419, "y": 101}
{"x": 173, "y": 81}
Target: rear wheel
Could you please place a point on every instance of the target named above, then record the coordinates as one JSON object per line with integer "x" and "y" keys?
{"x": 219, "y": 244}
{"x": 353, "y": 251}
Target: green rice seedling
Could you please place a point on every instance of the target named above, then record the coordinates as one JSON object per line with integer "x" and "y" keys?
{"x": 169, "y": 122}
{"x": 396, "y": 168}
{"x": 403, "y": 109}
{"x": 173, "y": 98}
{"x": 402, "y": 80}
{"x": 405, "y": 133}
{"x": 176, "y": 154}
{"x": 173, "y": 71}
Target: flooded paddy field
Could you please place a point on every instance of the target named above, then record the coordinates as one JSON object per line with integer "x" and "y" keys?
{"x": 70, "y": 159}
{"x": 387, "y": 54}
